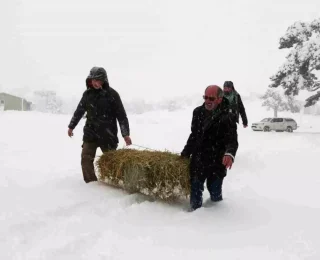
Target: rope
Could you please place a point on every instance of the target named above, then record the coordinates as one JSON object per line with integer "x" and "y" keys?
{"x": 140, "y": 146}
{"x": 147, "y": 148}
{"x": 152, "y": 149}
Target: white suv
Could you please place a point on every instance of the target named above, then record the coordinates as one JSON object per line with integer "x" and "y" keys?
{"x": 278, "y": 124}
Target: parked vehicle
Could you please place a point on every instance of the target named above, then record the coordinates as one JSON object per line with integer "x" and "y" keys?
{"x": 279, "y": 124}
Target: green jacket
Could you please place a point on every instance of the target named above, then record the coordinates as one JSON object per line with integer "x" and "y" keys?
{"x": 236, "y": 106}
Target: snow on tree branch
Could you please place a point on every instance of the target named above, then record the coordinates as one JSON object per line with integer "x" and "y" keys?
{"x": 313, "y": 99}
{"x": 296, "y": 34}
{"x": 298, "y": 72}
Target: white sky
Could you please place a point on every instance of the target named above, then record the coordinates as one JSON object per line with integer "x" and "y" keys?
{"x": 150, "y": 48}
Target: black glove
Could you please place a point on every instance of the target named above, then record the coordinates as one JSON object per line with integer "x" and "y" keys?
{"x": 185, "y": 155}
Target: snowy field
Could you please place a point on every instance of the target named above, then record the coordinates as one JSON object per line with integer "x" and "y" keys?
{"x": 271, "y": 207}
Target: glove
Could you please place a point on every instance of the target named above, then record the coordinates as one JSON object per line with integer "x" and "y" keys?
{"x": 185, "y": 155}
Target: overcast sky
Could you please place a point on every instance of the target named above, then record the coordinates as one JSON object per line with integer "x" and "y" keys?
{"x": 150, "y": 48}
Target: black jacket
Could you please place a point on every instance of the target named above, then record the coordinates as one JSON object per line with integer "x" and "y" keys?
{"x": 241, "y": 111}
{"x": 103, "y": 107}
{"x": 212, "y": 136}
{"x": 238, "y": 109}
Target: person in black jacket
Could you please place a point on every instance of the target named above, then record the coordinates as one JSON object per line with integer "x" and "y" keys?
{"x": 212, "y": 146}
{"x": 235, "y": 103}
{"x": 103, "y": 107}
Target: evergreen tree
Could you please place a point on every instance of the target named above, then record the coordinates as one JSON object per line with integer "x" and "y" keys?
{"x": 302, "y": 62}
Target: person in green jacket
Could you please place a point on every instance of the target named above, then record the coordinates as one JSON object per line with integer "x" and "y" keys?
{"x": 235, "y": 103}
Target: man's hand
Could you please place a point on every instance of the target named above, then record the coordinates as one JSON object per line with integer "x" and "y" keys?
{"x": 227, "y": 161}
{"x": 127, "y": 139}
{"x": 70, "y": 132}
{"x": 184, "y": 155}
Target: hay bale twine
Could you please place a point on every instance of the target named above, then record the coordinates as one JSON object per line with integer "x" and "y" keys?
{"x": 158, "y": 174}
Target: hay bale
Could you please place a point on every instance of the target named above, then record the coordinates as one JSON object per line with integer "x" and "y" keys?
{"x": 157, "y": 174}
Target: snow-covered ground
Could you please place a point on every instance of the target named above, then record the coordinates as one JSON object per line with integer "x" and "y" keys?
{"x": 271, "y": 207}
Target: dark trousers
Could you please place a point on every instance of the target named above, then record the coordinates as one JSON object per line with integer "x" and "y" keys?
{"x": 87, "y": 158}
{"x": 214, "y": 177}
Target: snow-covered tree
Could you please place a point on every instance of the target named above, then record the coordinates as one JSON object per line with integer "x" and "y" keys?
{"x": 47, "y": 101}
{"x": 293, "y": 104}
{"x": 278, "y": 102}
{"x": 302, "y": 62}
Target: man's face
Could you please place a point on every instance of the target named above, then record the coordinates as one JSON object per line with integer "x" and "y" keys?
{"x": 97, "y": 84}
{"x": 211, "y": 98}
{"x": 227, "y": 89}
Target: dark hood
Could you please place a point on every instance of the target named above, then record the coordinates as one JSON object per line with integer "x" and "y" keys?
{"x": 229, "y": 84}
{"x": 98, "y": 73}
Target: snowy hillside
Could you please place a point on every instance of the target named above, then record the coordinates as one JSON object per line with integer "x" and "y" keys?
{"x": 271, "y": 208}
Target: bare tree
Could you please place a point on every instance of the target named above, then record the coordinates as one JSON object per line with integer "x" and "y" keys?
{"x": 278, "y": 102}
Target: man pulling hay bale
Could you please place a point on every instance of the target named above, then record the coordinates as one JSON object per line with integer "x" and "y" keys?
{"x": 157, "y": 174}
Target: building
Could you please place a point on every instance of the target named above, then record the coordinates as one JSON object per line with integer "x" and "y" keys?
{"x": 10, "y": 102}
